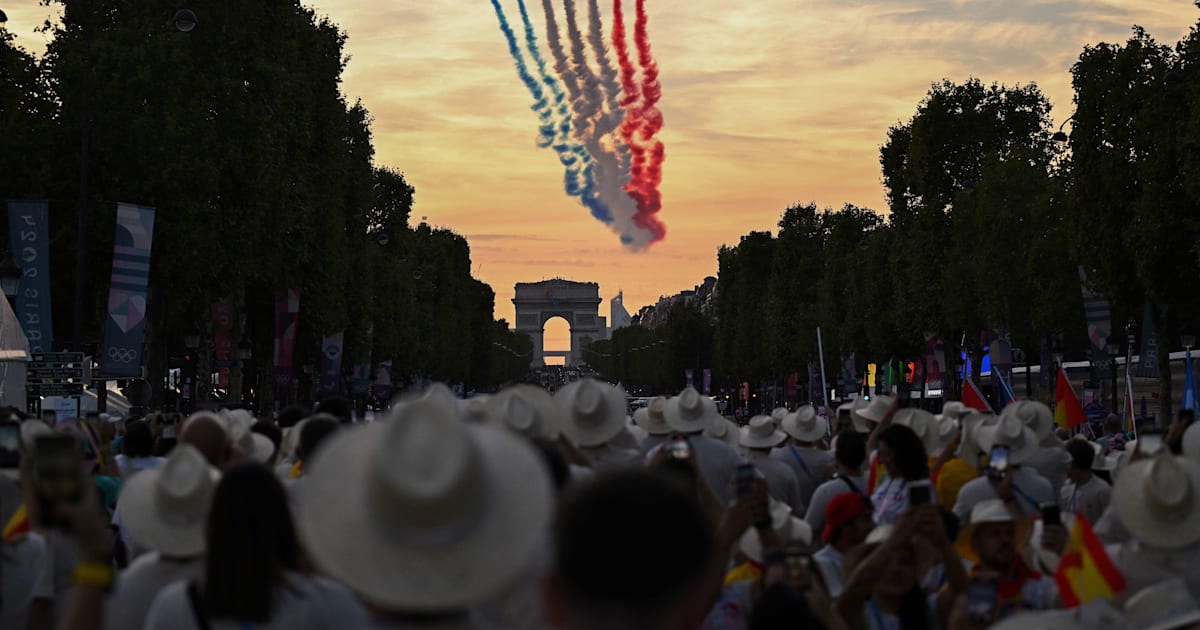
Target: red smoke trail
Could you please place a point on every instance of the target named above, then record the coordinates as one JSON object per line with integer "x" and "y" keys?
{"x": 648, "y": 152}
{"x": 628, "y": 72}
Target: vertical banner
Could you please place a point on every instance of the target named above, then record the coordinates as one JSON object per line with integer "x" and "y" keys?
{"x": 792, "y": 386}
{"x": 223, "y": 324}
{"x": 1189, "y": 384}
{"x": 381, "y": 389}
{"x": 360, "y": 382}
{"x": 850, "y": 382}
{"x": 125, "y": 328}
{"x": 1099, "y": 326}
{"x": 935, "y": 362}
{"x": 707, "y": 382}
{"x": 1147, "y": 365}
{"x": 287, "y": 316}
{"x": 29, "y": 232}
{"x": 1000, "y": 356}
{"x": 331, "y": 364}
{"x": 690, "y": 377}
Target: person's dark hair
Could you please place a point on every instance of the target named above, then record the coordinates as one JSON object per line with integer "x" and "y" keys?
{"x": 251, "y": 543}
{"x": 560, "y": 471}
{"x": 1082, "y": 454}
{"x": 336, "y": 406}
{"x": 290, "y": 417}
{"x": 851, "y": 449}
{"x": 313, "y": 433}
{"x": 139, "y": 440}
{"x": 783, "y": 608}
{"x": 908, "y": 451}
{"x": 268, "y": 428}
{"x": 617, "y": 522}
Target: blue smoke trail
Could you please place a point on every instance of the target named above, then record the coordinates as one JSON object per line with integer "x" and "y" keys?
{"x": 541, "y": 104}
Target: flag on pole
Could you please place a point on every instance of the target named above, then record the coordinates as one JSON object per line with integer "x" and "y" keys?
{"x": 1068, "y": 413}
{"x": 1189, "y": 383}
{"x": 974, "y": 398}
{"x": 1086, "y": 572}
{"x": 1007, "y": 396}
{"x": 18, "y": 524}
{"x": 1130, "y": 415}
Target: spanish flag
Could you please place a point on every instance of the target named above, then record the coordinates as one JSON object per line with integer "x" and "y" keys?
{"x": 1068, "y": 413}
{"x": 1085, "y": 571}
{"x": 18, "y": 524}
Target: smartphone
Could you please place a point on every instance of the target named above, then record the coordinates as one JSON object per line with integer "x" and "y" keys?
{"x": 745, "y": 480}
{"x": 680, "y": 449}
{"x": 168, "y": 432}
{"x": 10, "y": 445}
{"x": 1051, "y": 514}
{"x": 799, "y": 566}
{"x": 998, "y": 462}
{"x": 844, "y": 422}
{"x": 1149, "y": 442}
{"x": 981, "y": 603}
{"x": 919, "y": 493}
{"x": 57, "y": 476}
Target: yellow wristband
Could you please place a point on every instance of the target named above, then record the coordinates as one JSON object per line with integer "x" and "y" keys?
{"x": 93, "y": 574}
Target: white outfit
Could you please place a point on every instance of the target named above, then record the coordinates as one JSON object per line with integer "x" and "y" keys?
{"x": 26, "y": 575}
{"x": 1051, "y": 462}
{"x": 1090, "y": 499}
{"x": 1145, "y": 566}
{"x": 131, "y": 465}
{"x": 815, "y": 515}
{"x": 138, "y": 585}
{"x": 717, "y": 461}
{"x": 1110, "y": 530}
{"x": 781, "y": 481}
{"x": 609, "y": 457}
{"x": 829, "y": 561}
{"x": 65, "y": 555}
{"x": 1031, "y": 491}
{"x": 306, "y": 602}
{"x": 812, "y": 466}
{"x": 890, "y": 500}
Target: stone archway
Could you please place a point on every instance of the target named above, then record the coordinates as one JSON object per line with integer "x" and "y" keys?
{"x": 576, "y": 302}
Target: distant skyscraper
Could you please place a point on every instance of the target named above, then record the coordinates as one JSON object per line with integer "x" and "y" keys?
{"x": 618, "y": 316}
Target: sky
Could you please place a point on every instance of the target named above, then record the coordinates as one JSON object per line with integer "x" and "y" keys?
{"x": 767, "y": 103}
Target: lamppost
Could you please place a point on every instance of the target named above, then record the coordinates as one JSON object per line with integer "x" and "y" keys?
{"x": 245, "y": 355}
{"x": 191, "y": 341}
{"x": 1130, "y": 339}
{"x": 1112, "y": 349}
{"x": 1057, "y": 353}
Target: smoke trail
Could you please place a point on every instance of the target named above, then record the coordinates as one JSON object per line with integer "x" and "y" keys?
{"x": 541, "y": 105}
{"x": 651, "y": 119}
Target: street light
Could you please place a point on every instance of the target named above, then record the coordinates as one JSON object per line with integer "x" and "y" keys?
{"x": 185, "y": 20}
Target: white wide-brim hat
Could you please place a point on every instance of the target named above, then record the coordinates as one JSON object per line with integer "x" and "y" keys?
{"x": 991, "y": 511}
{"x": 252, "y": 445}
{"x": 526, "y": 410}
{"x": 923, "y": 424}
{"x": 690, "y": 411}
{"x": 972, "y": 424}
{"x": 1158, "y": 500}
{"x": 425, "y": 512}
{"x": 291, "y": 439}
{"x": 1191, "y": 442}
{"x": 592, "y": 412}
{"x": 861, "y": 424}
{"x": 476, "y": 409}
{"x": 805, "y": 425}
{"x": 651, "y": 417}
{"x": 725, "y": 430}
{"x": 778, "y": 414}
{"x": 794, "y": 530}
{"x": 947, "y": 426}
{"x": 1009, "y": 431}
{"x": 1102, "y": 462}
{"x": 761, "y": 433}
{"x": 1164, "y": 606}
{"x": 164, "y": 509}
{"x": 955, "y": 409}
{"x": 877, "y": 409}
{"x": 1034, "y": 415}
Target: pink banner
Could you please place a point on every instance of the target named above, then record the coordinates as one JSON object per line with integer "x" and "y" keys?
{"x": 222, "y": 317}
{"x": 287, "y": 318}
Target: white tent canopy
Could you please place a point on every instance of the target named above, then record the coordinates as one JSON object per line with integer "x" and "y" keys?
{"x": 14, "y": 354}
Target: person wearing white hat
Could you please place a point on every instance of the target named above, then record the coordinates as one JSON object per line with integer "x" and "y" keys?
{"x": 758, "y": 438}
{"x": 811, "y": 465}
{"x": 850, "y": 452}
{"x": 525, "y": 410}
{"x": 1084, "y": 493}
{"x": 163, "y": 511}
{"x": 1164, "y": 606}
{"x": 1021, "y": 487}
{"x": 725, "y": 430}
{"x": 778, "y": 414}
{"x": 1051, "y": 459}
{"x": 689, "y": 414}
{"x": 593, "y": 419}
{"x": 993, "y": 543}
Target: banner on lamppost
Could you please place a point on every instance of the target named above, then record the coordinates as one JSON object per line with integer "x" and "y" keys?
{"x": 360, "y": 381}
{"x": 850, "y": 382}
{"x": 1099, "y": 325}
{"x": 331, "y": 363}
{"x": 125, "y": 328}
{"x": 707, "y": 382}
{"x": 690, "y": 376}
{"x": 1147, "y": 366}
{"x": 223, "y": 325}
{"x": 287, "y": 318}
{"x": 381, "y": 388}
{"x": 29, "y": 233}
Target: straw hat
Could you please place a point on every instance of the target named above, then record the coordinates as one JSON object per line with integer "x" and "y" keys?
{"x": 972, "y": 424}
{"x": 254, "y": 446}
{"x": 725, "y": 430}
{"x": 690, "y": 411}
{"x": 946, "y": 428}
{"x": 1164, "y": 606}
{"x": 761, "y": 433}
{"x": 1009, "y": 431}
{"x": 475, "y": 409}
{"x": 923, "y": 424}
{"x": 526, "y": 410}
{"x": 792, "y": 530}
{"x": 1101, "y": 461}
{"x": 858, "y": 403}
{"x": 990, "y": 511}
{"x": 955, "y": 409}
{"x": 805, "y": 425}
{"x": 1156, "y": 500}
{"x": 778, "y": 414}
{"x": 592, "y": 412}
{"x": 651, "y": 417}
{"x": 877, "y": 409}
{"x": 165, "y": 508}
{"x": 428, "y": 512}
{"x": 1034, "y": 415}
{"x": 1191, "y": 442}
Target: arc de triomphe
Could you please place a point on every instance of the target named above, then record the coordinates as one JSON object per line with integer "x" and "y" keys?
{"x": 576, "y": 302}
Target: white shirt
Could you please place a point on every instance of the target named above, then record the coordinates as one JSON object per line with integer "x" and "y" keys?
{"x": 1110, "y": 530}
{"x": 307, "y": 602}
{"x": 717, "y": 461}
{"x": 1090, "y": 499}
{"x": 26, "y": 575}
{"x": 65, "y": 555}
{"x": 829, "y": 561}
{"x": 609, "y": 457}
{"x": 1030, "y": 488}
{"x": 812, "y": 466}
{"x": 1051, "y": 462}
{"x": 781, "y": 481}
{"x": 815, "y": 516}
{"x": 890, "y": 500}
{"x": 131, "y": 465}
{"x": 138, "y": 585}
{"x": 1145, "y": 566}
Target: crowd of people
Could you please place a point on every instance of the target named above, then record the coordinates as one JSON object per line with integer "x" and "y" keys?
{"x": 527, "y": 510}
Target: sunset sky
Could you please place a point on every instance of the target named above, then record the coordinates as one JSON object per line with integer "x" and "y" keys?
{"x": 767, "y": 103}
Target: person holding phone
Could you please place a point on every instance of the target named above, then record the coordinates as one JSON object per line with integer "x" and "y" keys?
{"x": 993, "y": 543}
{"x": 1017, "y": 485}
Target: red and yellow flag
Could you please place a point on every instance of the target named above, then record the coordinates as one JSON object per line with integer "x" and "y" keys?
{"x": 18, "y": 524}
{"x": 1085, "y": 571}
{"x": 1068, "y": 413}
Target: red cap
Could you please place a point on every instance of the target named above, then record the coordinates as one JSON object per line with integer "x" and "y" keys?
{"x": 844, "y": 507}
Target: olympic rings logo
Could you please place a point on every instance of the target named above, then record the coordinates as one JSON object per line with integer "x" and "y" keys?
{"x": 122, "y": 355}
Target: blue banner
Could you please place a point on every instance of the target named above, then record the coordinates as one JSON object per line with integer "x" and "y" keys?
{"x": 1189, "y": 383}
{"x": 29, "y": 231}
{"x": 125, "y": 329}
{"x": 331, "y": 364}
